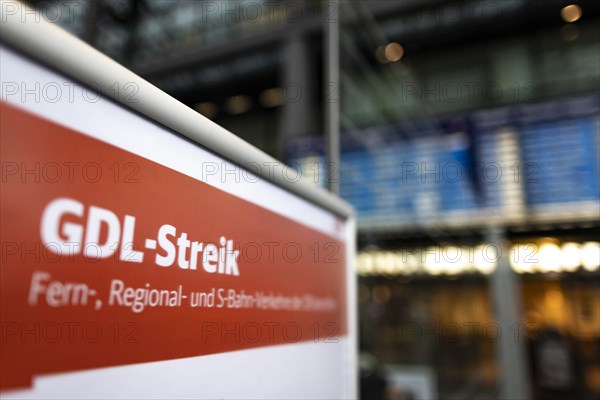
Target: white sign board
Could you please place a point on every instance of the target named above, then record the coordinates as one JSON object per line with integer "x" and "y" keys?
{"x": 137, "y": 263}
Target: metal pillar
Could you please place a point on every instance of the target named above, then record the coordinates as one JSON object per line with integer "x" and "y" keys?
{"x": 331, "y": 21}
{"x": 296, "y": 84}
{"x": 507, "y": 303}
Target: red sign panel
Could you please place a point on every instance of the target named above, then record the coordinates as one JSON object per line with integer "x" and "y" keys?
{"x": 110, "y": 259}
